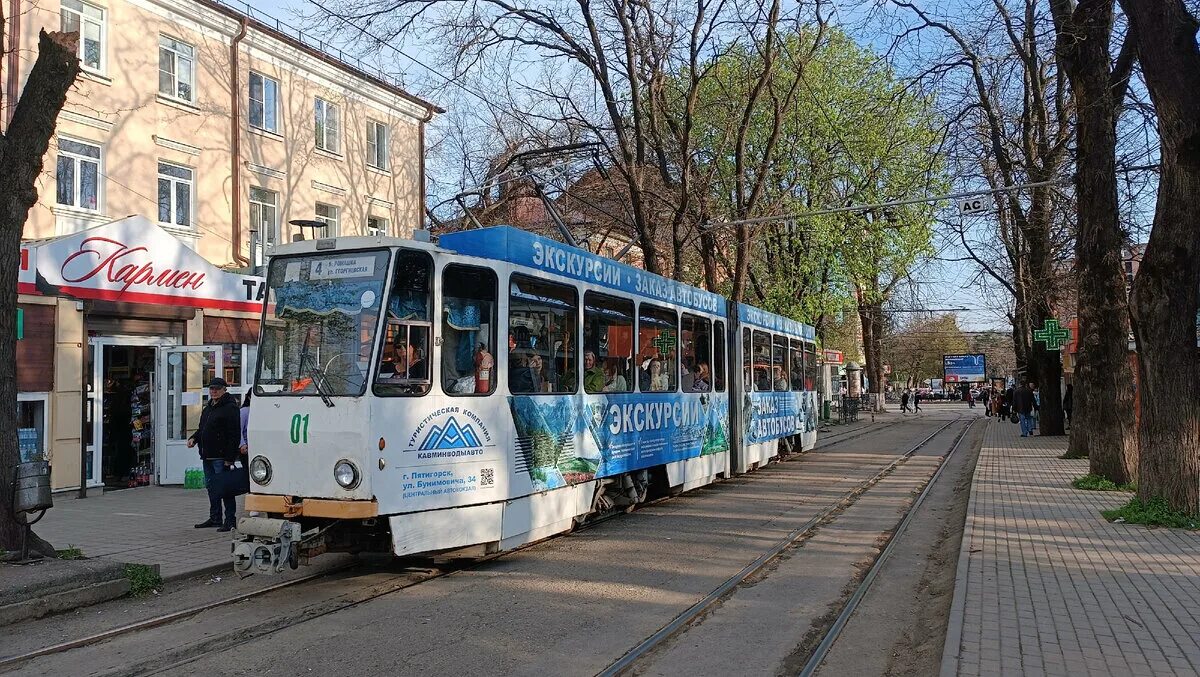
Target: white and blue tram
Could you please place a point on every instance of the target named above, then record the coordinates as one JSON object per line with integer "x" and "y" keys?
{"x": 495, "y": 389}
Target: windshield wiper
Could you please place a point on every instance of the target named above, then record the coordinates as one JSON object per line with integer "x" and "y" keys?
{"x": 318, "y": 377}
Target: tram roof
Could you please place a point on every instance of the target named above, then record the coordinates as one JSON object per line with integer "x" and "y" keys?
{"x": 522, "y": 248}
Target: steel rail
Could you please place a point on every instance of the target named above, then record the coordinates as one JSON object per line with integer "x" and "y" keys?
{"x": 699, "y": 608}
{"x": 155, "y": 621}
{"x": 835, "y": 631}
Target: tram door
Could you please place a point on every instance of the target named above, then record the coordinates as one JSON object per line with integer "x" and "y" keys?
{"x": 186, "y": 371}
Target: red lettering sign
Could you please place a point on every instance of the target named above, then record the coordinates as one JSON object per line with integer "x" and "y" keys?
{"x": 117, "y": 263}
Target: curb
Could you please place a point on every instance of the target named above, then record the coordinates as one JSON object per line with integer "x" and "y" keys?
{"x": 954, "y": 627}
{"x": 204, "y": 570}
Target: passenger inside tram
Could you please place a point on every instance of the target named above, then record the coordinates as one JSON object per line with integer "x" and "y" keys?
{"x": 702, "y": 381}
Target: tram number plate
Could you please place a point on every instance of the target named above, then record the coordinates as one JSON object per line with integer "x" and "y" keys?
{"x": 300, "y": 429}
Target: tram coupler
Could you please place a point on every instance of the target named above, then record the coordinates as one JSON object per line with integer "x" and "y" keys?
{"x": 266, "y": 545}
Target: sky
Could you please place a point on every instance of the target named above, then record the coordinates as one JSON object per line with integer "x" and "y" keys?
{"x": 942, "y": 283}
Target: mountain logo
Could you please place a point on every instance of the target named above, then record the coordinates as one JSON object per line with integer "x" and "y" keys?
{"x": 451, "y": 436}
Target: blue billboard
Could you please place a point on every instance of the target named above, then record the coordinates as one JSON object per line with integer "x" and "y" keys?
{"x": 964, "y": 368}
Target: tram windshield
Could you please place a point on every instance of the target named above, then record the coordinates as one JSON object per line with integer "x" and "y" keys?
{"x": 322, "y": 313}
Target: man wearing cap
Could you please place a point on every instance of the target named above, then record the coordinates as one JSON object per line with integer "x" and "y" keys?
{"x": 219, "y": 435}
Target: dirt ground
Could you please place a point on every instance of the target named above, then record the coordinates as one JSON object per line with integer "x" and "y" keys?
{"x": 899, "y": 628}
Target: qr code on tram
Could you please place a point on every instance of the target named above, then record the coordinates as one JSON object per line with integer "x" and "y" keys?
{"x": 487, "y": 477}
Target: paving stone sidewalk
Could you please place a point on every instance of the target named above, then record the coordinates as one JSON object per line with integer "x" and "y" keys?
{"x": 147, "y": 525}
{"x": 1045, "y": 586}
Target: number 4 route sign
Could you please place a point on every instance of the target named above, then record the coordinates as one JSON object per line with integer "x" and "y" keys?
{"x": 979, "y": 204}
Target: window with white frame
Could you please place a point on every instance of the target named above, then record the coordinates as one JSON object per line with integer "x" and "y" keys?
{"x": 174, "y": 195}
{"x": 78, "y": 175}
{"x": 327, "y": 125}
{"x": 176, "y": 69}
{"x": 264, "y": 215}
{"x": 88, "y": 21}
{"x": 377, "y": 144}
{"x": 32, "y": 424}
{"x": 328, "y": 214}
{"x": 377, "y": 226}
{"x": 264, "y": 102}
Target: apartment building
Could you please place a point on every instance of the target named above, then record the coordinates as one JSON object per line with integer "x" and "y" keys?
{"x": 196, "y": 128}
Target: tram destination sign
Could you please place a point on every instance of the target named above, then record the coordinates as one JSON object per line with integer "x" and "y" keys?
{"x": 964, "y": 368}
{"x": 525, "y": 249}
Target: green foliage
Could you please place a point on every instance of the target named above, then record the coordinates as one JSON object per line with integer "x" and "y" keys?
{"x": 70, "y": 552}
{"x": 143, "y": 578}
{"x": 1091, "y": 482}
{"x": 1155, "y": 513}
{"x": 852, "y": 134}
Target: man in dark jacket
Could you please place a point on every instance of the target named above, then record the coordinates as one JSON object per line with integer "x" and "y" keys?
{"x": 219, "y": 436}
{"x": 1024, "y": 404}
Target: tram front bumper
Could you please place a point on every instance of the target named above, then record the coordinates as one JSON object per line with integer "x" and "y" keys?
{"x": 266, "y": 545}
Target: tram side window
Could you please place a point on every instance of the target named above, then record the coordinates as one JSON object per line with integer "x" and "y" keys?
{"x": 810, "y": 366}
{"x": 405, "y": 353}
{"x": 747, "y": 361}
{"x": 762, "y": 361}
{"x": 779, "y": 362}
{"x": 718, "y": 367}
{"x": 658, "y": 349}
{"x": 468, "y": 330}
{"x": 796, "y": 372}
{"x": 607, "y": 344}
{"x": 695, "y": 368}
{"x": 542, "y": 338}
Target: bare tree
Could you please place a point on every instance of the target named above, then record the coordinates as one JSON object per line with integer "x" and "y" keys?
{"x": 1103, "y": 399}
{"x": 1015, "y": 112}
{"x": 1164, "y": 301}
{"x": 23, "y": 148}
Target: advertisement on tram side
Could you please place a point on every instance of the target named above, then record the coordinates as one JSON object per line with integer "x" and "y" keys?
{"x": 774, "y": 415}
{"x": 563, "y": 440}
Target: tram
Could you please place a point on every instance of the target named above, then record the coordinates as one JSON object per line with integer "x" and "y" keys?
{"x": 495, "y": 389}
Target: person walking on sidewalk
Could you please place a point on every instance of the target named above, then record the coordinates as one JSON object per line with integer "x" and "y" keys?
{"x": 916, "y": 401}
{"x": 904, "y": 401}
{"x": 218, "y": 436}
{"x": 1024, "y": 404}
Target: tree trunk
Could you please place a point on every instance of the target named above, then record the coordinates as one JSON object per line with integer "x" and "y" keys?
{"x": 22, "y": 150}
{"x": 1164, "y": 298}
{"x": 708, "y": 257}
{"x": 1102, "y": 428}
{"x": 870, "y": 315}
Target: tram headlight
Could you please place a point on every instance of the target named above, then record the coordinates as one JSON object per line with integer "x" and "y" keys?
{"x": 346, "y": 474}
{"x": 260, "y": 470}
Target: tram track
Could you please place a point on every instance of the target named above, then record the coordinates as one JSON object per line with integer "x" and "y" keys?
{"x": 630, "y": 661}
{"x": 180, "y": 656}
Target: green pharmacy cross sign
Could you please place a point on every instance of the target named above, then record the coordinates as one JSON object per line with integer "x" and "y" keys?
{"x": 1052, "y": 334}
{"x": 665, "y": 341}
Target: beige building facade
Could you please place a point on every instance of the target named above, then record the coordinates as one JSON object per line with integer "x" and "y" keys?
{"x": 194, "y": 134}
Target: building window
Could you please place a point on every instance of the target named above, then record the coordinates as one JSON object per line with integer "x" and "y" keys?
{"x": 264, "y": 215}
{"x": 377, "y": 144}
{"x": 31, "y": 426}
{"x": 174, "y": 195}
{"x": 78, "y": 175}
{"x": 377, "y": 226}
{"x": 327, "y": 125}
{"x": 327, "y": 214}
{"x": 176, "y": 69}
{"x": 88, "y": 21}
{"x": 264, "y": 102}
